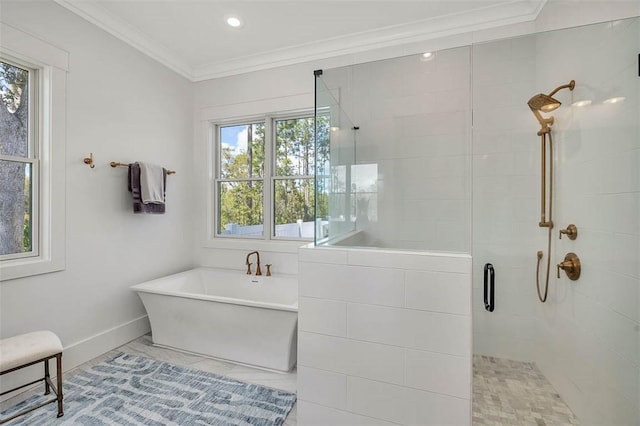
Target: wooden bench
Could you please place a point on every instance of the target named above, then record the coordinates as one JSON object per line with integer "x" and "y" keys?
{"x": 28, "y": 349}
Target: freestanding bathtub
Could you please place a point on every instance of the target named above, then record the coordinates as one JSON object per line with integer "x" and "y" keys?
{"x": 225, "y": 314}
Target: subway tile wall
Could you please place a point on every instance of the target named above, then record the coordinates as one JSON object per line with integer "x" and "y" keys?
{"x": 587, "y": 338}
{"x": 414, "y": 119}
{"x": 384, "y": 337}
{"x": 506, "y": 200}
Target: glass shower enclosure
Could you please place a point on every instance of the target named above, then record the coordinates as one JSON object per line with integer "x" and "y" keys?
{"x": 393, "y": 197}
{"x": 398, "y": 172}
{"x": 437, "y": 156}
{"x": 335, "y": 153}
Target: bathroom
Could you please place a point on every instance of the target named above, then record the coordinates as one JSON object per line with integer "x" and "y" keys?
{"x": 589, "y": 350}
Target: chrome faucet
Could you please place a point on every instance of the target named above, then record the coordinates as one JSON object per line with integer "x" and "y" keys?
{"x": 258, "y": 271}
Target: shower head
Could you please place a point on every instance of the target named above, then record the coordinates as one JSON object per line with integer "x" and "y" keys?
{"x": 544, "y": 103}
{"x": 547, "y": 103}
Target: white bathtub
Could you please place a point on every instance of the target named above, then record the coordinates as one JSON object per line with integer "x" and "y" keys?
{"x": 225, "y": 314}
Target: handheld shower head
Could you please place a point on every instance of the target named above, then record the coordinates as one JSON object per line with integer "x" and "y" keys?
{"x": 547, "y": 103}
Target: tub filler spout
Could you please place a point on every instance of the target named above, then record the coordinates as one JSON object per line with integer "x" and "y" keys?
{"x": 258, "y": 271}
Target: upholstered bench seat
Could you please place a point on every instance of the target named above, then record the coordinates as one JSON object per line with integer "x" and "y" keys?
{"x": 28, "y": 348}
{"x": 31, "y": 348}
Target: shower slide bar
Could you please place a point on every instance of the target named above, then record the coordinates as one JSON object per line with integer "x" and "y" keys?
{"x": 489, "y": 287}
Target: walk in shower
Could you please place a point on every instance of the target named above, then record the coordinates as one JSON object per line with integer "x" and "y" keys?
{"x": 434, "y": 159}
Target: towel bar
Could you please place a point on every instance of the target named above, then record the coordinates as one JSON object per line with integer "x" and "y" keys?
{"x": 116, "y": 164}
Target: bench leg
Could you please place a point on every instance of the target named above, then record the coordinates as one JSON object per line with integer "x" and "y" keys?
{"x": 59, "y": 382}
{"x": 47, "y": 389}
{"x": 49, "y": 386}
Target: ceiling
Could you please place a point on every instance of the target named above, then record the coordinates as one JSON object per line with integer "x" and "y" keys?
{"x": 192, "y": 38}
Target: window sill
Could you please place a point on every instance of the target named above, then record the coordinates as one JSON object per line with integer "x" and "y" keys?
{"x": 279, "y": 246}
{"x": 21, "y": 268}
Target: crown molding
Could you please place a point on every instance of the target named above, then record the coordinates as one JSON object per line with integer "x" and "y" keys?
{"x": 512, "y": 12}
{"x": 115, "y": 26}
{"x": 428, "y": 29}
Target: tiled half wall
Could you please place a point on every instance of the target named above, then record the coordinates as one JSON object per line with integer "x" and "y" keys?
{"x": 384, "y": 337}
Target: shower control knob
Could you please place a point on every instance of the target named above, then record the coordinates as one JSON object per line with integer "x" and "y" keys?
{"x": 571, "y": 266}
{"x": 571, "y": 232}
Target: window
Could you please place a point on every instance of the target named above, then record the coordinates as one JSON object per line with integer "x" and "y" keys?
{"x": 265, "y": 175}
{"x": 19, "y": 165}
{"x": 241, "y": 179}
{"x": 32, "y": 155}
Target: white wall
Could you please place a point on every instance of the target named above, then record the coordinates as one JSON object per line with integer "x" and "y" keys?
{"x": 584, "y": 338}
{"x": 506, "y": 200}
{"x": 291, "y": 87}
{"x": 384, "y": 337}
{"x": 122, "y": 106}
{"x": 237, "y": 97}
{"x": 414, "y": 119}
{"x": 587, "y": 336}
{"x": 506, "y": 196}
{"x": 108, "y": 248}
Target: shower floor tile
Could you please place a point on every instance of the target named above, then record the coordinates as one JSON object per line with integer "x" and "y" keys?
{"x": 507, "y": 392}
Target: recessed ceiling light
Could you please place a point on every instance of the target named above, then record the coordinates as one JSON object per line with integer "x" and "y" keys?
{"x": 582, "y": 103}
{"x": 233, "y": 21}
{"x": 614, "y": 100}
{"x": 427, "y": 56}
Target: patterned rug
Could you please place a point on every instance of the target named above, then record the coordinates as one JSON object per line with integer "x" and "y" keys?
{"x": 132, "y": 390}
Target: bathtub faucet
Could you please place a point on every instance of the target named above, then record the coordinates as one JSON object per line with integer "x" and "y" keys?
{"x": 258, "y": 271}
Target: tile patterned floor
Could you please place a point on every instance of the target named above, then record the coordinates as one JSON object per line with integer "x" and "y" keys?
{"x": 505, "y": 392}
{"x": 511, "y": 393}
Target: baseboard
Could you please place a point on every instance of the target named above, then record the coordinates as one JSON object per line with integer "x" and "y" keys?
{"x": 85, "y": 350}
{"x": 80, "y": 352}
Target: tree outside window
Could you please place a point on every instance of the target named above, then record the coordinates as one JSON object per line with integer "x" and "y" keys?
{"x": 243, "y": 184}
{"x": 16, "y": 162}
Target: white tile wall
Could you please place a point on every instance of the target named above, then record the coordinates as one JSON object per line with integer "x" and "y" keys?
{"x": 414, "y": 119}
{"x": 402, "y": 352}
{"x": 437, "y": 291}
{"x": 322, "y": 316}
{"x": 584, "y": 338}
{"x": 319, "y": 415}
{"x": 587, "y": 324}
{"x": 436, "y": 372}
{"x": 432, "y": 331}
{"x": 506, "y": 201}
{"x": 324, "y": 387}
{"x": 403, "y": 405}
{"x": 356, "y": 358}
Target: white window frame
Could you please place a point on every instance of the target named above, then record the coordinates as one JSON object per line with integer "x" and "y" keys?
{"x": 216, "y": 176}
{"x": 268, "y": 180}
{"x": 51, "y": 64}
{"x": 274, "y": 177}
{"x": 33, "y": 153}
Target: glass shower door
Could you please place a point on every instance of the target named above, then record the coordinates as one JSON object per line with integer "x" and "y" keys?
{"x": 335, "y": 158}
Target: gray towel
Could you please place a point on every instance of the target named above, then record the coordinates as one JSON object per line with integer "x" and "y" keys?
{"x": 134, "y": 187}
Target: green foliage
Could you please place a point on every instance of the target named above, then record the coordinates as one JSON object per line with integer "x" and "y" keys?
{"x": 13, "y": 81}
{"x": 26, "y": 233}
{"x": 295, "y": 162}
{"x": 15, "y": 187}
{"x": 241, "y": 201}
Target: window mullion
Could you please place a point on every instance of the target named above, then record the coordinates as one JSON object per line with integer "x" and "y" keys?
{"x": 269, "y": 168}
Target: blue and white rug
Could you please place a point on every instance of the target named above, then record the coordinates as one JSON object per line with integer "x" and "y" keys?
{"x": 132, "y": 390}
